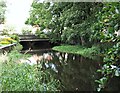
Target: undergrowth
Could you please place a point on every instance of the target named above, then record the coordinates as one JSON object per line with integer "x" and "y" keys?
{"x": 24, "y": 77}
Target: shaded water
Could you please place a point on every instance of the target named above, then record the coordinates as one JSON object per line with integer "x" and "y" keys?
{"x": 75, "y": 72}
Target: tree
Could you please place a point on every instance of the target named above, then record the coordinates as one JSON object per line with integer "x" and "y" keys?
{"x": 69, "y": 22}
{"x": 39, "y": 14}
{"x": 2, "y": 11}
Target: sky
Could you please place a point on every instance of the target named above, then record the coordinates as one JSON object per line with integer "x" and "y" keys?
{"x": 17, "y": 12}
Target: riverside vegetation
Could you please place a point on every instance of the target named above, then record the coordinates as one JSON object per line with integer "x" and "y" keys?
{"x": 86, "y": 24}
{"x": 77, "y": 49}
{"x": 72, "y": 23}
{"x": 24, "y": 77}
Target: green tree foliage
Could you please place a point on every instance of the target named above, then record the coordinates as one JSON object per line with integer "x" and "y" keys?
{"x": 109, "y": 22}
{"x": 2, "y": 11}
{"x": 72, "y": 21}
{"x": 69, "y": 22}
{"x": 40, "y": 14}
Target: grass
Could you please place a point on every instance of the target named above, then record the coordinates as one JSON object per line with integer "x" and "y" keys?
{"x": 76, "y": 49}
{"x": 24, "y": 77}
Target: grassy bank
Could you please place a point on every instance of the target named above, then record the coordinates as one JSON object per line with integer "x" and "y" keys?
{"x": 76, "y": 49}
{"x": 24, "y": 77}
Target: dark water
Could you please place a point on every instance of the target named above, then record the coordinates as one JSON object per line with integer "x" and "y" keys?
{"x": 74, "y": 71}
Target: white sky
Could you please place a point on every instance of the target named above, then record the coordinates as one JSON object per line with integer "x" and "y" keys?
{"x": 17, "y": 11}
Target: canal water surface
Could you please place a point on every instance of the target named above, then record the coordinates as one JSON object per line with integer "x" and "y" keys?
{"x": 76, "y": 73}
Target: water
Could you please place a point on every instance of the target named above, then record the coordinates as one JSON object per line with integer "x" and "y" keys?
{"x": 75, "y": 72}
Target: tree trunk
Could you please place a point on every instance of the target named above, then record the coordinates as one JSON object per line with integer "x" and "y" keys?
{"x": 82, "y": 41}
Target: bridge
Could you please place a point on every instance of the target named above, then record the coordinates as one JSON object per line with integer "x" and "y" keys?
{"x": 33, "y": 42}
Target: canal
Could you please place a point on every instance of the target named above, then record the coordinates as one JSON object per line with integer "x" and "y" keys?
{"x": 76, "y": 73}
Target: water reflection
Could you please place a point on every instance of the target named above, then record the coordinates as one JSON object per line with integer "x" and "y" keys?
{"x": 74, "y": 71}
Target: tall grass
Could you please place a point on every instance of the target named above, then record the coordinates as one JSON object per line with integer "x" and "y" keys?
{"x": 24, "y": 77}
